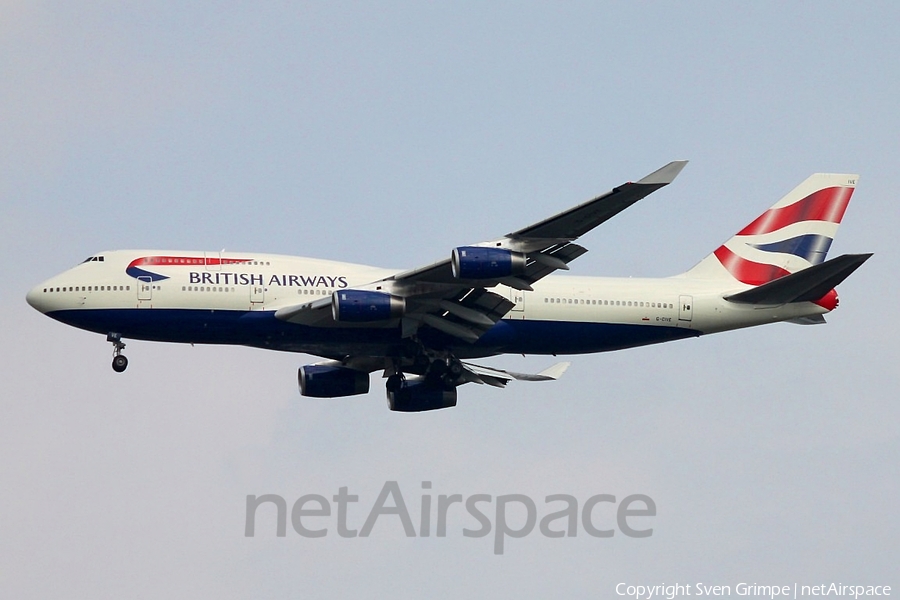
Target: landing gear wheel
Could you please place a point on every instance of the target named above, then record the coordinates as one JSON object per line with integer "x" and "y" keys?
{"x": 119, "y": 363}
{"x": 455, "y": 368}
{"x": 438, "y": 367}
{"x": 449, "y": 381}
{"x": 394, "y": 383}
{"x": 420, "y": 364}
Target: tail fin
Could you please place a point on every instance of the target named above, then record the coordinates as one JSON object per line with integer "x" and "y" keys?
{"x": 793, "y": 235}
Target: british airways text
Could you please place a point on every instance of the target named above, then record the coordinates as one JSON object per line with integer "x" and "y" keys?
{"x": 259, "y": 279}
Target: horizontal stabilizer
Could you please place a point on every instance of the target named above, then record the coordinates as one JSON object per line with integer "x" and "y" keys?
{"x": 803, "y": 286}
{"x": 810, "y": 320}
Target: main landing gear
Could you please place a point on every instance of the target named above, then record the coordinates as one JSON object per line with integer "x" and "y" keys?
{"x": 443, "y": 372}
{"x": 433, "y": 387}
{"x": 119, "y": 362}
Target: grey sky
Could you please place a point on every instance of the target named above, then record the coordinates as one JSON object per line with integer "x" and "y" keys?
{"x": 388, "y": 134}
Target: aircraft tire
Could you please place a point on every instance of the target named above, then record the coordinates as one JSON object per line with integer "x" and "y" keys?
{"x": 455, "y": 368}
{"x": 119, "y": 363}
{"x": 394, "y": 383}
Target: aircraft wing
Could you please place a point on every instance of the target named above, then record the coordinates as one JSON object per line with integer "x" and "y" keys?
{"x": 499, "y": 378}
{"x": 464, "y": 313}
{"x": 472, "y": 373}
{"x": 548, "y": 243}
{"x": 464, "y": 307}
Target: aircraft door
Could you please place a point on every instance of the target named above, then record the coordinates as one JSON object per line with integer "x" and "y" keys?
{"x": 213, "y": 261}
{"x": 257, "y": 294}
{"x": 685, "y": 309}
{"x": 144, "y": 289}
{"x": 517, "y": 296}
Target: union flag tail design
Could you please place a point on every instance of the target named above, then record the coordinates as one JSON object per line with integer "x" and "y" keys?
{"x": 793, "y": 235}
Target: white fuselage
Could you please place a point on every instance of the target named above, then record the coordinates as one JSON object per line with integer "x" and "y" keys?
{"x": 207, "y": 297}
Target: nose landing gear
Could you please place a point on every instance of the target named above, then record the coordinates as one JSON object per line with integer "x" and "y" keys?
{"x": 119, "y": 362}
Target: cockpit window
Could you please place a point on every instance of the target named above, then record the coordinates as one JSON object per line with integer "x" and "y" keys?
{"x": 92, "y": 259}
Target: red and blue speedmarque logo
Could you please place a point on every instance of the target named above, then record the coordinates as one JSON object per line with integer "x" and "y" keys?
{"x": 134, "y": 267}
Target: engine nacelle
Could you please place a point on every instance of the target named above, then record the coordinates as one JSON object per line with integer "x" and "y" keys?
{"x": 361, "y": 306}
{"x": 322, "y": 381}
{"x": 476, "y": 262}
{"x": 419, "y": 395}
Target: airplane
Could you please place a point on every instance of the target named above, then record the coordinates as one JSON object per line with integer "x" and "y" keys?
{"x": 421, "y": 327}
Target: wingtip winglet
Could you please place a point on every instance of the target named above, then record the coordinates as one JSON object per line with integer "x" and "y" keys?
{"x": 556, "y": 371}
{"x": 665, "y": 175}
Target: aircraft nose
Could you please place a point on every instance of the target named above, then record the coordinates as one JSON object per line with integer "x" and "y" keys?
{"x": 35, "y": 298}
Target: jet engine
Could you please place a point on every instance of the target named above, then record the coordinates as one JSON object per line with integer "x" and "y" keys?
{"x": 361, "y": 306}
{"x": 421, "y": 394}
{"x": 476, "y": 262}
{"x": 323, "y": 381}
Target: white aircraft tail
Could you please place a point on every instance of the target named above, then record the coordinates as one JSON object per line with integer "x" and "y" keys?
{"x": 793, "y": 235}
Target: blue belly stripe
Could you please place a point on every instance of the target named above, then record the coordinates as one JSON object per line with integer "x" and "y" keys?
{"x": 261, "y": 329}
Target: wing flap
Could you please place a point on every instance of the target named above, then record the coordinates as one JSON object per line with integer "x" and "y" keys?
{"x": 317, "y": 312}
{"x": 467, "y": 316}
{"x": 465, "y": 332}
